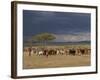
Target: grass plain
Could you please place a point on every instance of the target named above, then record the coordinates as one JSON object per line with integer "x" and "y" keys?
{"x": 53, "y": 61}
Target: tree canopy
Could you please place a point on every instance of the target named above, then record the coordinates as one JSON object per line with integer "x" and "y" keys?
{"x": 44, "y": 37}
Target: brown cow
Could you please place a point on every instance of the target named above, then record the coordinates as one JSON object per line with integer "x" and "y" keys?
{"x": 29, "y": 51}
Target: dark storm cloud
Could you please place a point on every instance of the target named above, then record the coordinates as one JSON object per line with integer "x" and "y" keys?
{"x": 64, "y": 23}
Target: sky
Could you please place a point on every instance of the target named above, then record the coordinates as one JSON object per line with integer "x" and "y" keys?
{"x": 65, "y": 26}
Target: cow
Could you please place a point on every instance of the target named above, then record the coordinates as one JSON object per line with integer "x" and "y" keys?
{"x": 66, "y": 51}
{"x": 72, "y": 52}
{"x": 62, "y": 51}
{"x": 29, "y": 51}
{"x": 25, "y": 50}
{"x": 57, "y": 51}
{"x": 45, "y": 52}
{"x": 41, "y": 52}
{"x": 83, "y": 51}
{"x": 89, "y": 51}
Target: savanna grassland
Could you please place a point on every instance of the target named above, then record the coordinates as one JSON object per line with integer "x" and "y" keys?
{"x": 41, "y": 61}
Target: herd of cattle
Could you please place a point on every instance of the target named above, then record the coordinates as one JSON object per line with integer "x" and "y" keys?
{"x": 57, "y": 51}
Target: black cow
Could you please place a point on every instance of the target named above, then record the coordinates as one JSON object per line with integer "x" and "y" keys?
{"x": 72, "y": 52}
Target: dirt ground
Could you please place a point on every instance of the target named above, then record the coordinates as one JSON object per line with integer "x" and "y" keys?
{"x": 53, "y": 61}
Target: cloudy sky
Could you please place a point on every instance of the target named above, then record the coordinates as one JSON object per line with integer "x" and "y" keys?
{"x": 65, "y": 26}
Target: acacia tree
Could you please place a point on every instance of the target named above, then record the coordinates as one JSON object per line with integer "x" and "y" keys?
{"x": 44, "y": 37}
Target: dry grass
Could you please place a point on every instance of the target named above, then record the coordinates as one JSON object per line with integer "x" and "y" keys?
{"x": 36, "y": 61}
{"x": 52, "y": 61}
